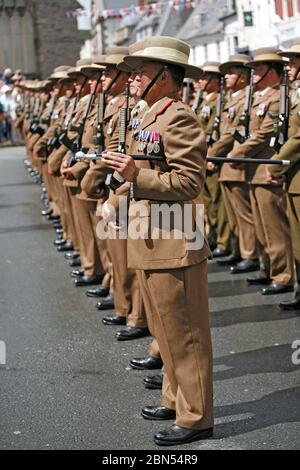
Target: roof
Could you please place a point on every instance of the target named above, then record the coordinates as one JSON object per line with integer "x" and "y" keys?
{"x": 172, "y": 21}
{"x": 203, "y": 21}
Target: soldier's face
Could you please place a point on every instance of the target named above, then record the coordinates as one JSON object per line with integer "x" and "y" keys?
{"x": 209, "y": 83}
{"x": 135, "y": 85}
{"x": 78, "y": 84}
{"x": 108, "y": 76}
{"x": 259, "y": 72}
{"x": 95, "y": 83}
{"x": 293, "y": 69}
{"x": 145, "y": 75}
{"x": 234, "y": 78}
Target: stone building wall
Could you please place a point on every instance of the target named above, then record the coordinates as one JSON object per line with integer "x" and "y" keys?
{"x": 37, "y": 35}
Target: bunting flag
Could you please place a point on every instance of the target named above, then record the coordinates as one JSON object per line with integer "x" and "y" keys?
{"x": 144, "y": 10}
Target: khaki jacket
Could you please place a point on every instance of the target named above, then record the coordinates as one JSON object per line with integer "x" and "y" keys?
{"x": 233, "y": 111}
{"x": 290, "y": 151}
{"x": 264, "y": 117}
{"x": 179, "y": 180}
{"x": 207, "y": 112}
{"x": 96, "y": 175}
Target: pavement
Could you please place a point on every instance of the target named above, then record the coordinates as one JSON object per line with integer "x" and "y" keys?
{"x": 66, "y": 382}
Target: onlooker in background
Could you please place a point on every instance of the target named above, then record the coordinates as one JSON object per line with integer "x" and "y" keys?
{"x": 5, "y": 106}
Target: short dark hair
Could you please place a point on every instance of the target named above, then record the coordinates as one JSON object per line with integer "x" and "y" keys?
{"x": 177, "y": 73}
{"x": 277, "y": 67}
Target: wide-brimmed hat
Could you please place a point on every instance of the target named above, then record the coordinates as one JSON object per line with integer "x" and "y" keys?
{"x": 93, "y": 67}
{"x": 165, "y": 50}
{"x": 212, "y": 68}
{"x": 60, "y": 73}
{"x": 235, "y": 60}
{"x": 294, "y": 51}
{"x": 134, "y": 49}
{"x": 266, "y": 55}
{"x": 78, "y": 70}
{"x": 114, "y": 56}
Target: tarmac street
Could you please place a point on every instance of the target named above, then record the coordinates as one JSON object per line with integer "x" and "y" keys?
{"x": 65, "y": 382}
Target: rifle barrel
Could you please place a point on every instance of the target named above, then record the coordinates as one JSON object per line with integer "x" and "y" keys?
{"x": 254, "y": 161}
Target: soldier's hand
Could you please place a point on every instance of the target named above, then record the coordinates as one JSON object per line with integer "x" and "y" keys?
{"x": 212, "y": 167}
{"x": 276, "y": 180}
{"x": 67, "y": 174}
{"x": 123, "y": 164}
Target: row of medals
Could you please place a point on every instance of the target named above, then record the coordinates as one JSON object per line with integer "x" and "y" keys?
{"x": 147, "y": 140}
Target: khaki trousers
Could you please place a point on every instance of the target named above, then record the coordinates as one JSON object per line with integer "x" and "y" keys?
{"x": 218, "y": 227}
{"x": 127, "y": 294}
{"x": 269, "y": 208}
{"x": 181, "y": 326}
{"x": 89, "y": 254}
{"x": 238, "y": 207}
{"x": 294, "y": 217}
{"x": 48, "y": 180}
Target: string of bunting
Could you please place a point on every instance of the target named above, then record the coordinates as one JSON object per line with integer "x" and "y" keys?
{"x": 145, "y": 10}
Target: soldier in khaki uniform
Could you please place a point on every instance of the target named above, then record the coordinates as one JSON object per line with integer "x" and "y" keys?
{"x": 74, "y": 113}
{"x": 128, "y": 302}
{"x": 172, "y": 273}
{"x": 85, "y": 206}
{"x": 291, "y": 175}
{"x": 217, "y": 224}
{"x": 40, "y": 149}
{"x": 233, "y": 182}
{"x": 268, "y": 199}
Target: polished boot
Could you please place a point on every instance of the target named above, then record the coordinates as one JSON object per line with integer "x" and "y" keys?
{"x": 53, "y": 217}
{"x": 86, "y": 281}
{"x": 154, "y": 382}
{"x": 146, "y": 363}
{"x": 106, "y": 304}
{"x": 59, "y": 242}
{"x": 75, "y": 263}
{"x": 65, "y": 247}
{"x": 130, "y": 333}
{"x": 259, "y": 281}
{"x": 114, "y": 320}
{"x": 219, "y": 253}
{"x": 245, "y": 266}
{"x": 72, "y": 255}
{"x": 77, "y": 273}
{"x": 101, "y": 291}
{"x": 290, "y": 304}
{"x": 46, "y": 212}
{"x": 275, "y": 289}
{"x": 230, "y": 260}
{"x": 158, "y": 413}
{"x": 176, "y": 435}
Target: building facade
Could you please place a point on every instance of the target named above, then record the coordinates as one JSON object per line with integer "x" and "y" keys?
{"x": 37, "y": 35}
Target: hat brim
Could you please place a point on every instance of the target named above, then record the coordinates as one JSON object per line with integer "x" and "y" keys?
{"x": 135, "y": 62}
{"x": 255, "y": 63}
{"x": 228, "y": 65}
{"x": 289, "y": 54}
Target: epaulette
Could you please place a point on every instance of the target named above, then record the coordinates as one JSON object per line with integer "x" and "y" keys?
{"x": 166, "y": 106}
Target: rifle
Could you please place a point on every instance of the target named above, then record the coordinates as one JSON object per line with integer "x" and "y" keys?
{"x": 282, "y": 128}
{"x": 47, "y": 120}
{"x": 186, "y": 91}
{"x": 241, "y": 137}
{"x": 111, "y": 181}
{"x": 80, "y": 157}
{"x": 197, "y": 102}
{"x": 54, "y": 142}
{"x": 216, "y": 132}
